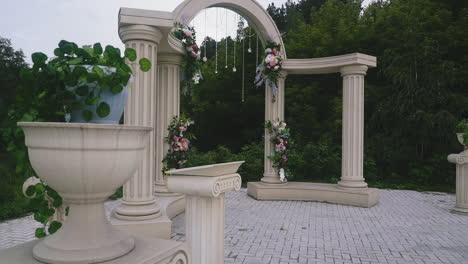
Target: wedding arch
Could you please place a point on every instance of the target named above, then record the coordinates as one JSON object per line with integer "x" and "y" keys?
{"x": 155, "y": 99}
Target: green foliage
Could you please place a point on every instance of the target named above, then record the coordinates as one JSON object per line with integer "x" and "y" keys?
{"x": 78, "y": 76}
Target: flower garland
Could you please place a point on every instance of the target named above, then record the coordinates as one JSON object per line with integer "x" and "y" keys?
{"x": 192, "y": 64}
{"x": 179, "y": 142}
{"x": 280, "y": 138}
{"x": 269, "y": 71}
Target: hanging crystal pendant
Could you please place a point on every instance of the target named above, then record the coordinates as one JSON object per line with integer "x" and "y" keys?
{"x": 249, "y": 50}
{"x": 205, "y": 59}
{"x": 226, "y": 66}
{"x": 216, "y": 72}
{"x": 234, "y": 69}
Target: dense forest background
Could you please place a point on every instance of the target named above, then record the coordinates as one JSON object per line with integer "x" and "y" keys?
{"x": 414, "y": 98}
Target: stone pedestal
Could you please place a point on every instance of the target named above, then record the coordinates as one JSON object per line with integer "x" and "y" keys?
{"x": 204, "y": 188}
{"x": 274, "y": 111}
{"x": 352, "y": 163}
{"x": 139, "y": 204}
{"x": 461, "y": 160}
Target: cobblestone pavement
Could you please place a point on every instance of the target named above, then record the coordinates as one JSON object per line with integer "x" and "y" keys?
{"x": 405, "y": 227}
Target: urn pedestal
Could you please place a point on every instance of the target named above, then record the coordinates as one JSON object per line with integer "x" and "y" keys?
{"x": 85, "y": 164}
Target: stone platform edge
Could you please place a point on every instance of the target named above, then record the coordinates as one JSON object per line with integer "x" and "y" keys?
{"x": 147, "y": 250}
{"x": 318, "y": 192}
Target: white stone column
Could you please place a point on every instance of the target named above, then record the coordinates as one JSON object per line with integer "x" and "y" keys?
{"x": 138, "y": 202}
{"x": 168, "y": 106}
{"x": 205, "y": 188}
{"x": 274, "y": 111}
{"x": 352, "y": 175}
{"x": 461, "y": 160}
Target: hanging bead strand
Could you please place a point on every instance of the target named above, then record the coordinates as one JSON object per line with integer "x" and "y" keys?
{"x": 243, "y": 70}
{"x": 216, "y": 42}
{"x": 206, "y": 36}
{"x": 250, "y": 40}
{"x": 256, "y": 63}
{"x": 235, "y": 48}
{"x": 226, "y": 38}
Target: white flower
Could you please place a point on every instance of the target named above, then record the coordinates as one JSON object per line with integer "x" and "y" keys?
{"x": 282, "y": 175}
{"x": 268, "y": 50}
{"x": 189, "y": 48}
{"x": 276, "y": 67}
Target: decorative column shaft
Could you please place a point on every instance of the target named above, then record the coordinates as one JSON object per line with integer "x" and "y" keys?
{"x": 138, "y": 202}
{"x": 352, "y": 164}
{"x": 205, "y": 188}
{"x": 274, "y": 111}
{"x": 168, "y": 106}
{"x": 461, "y": 160}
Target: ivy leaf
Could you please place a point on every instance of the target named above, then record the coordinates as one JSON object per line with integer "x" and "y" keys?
{"x": 58, "y": 52}
{"x": 58, "y": 201}
{"x": 98, "y": 71}
{"x": 40, "y": 218}
{"x": 67, "y": 210}
{"x": 130, "y": 54}
{"x": 82, "y": 90}
{"x": 39, "y": 58}
{"x": 117, "y": 89}
{"x": 92, "y": 100}
{"x": 54, "y": 226}
{"x": 79, "y": 71}
{"x": 145, "y": 65}
{"x": 87, "y": 115}
{"x": 97, "y": 48}
{"x": 75, "y": 61}
{"x": 89, "y": 50}
{"x": 30, "y": 191}
{"x": 92, "y": 77}
{"x": 103, "y": 109}
{"x": 40, "y": 233}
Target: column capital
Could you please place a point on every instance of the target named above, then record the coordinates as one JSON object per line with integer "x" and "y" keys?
{"x": 140, "y": 32}
{"x": 170, "y": 58}
{"x": 354, "y": 70}
{"x": 459, "y": 159}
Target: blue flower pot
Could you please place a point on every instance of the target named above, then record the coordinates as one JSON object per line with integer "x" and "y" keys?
{"x": 116, "y": 102}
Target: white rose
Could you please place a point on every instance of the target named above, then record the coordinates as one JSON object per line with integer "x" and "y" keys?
{"x": 268, "y": 50}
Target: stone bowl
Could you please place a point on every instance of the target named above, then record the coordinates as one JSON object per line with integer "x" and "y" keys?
{"x": 85, "y": 164}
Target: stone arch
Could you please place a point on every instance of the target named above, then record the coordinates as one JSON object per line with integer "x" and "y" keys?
{"x": 251, "y": 10}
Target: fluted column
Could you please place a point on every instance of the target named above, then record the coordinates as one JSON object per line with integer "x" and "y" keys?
{"x": 461, "y": 160}
{"x": 138, "y": 201}
{"x": 352, "y": 163}
{"x": 168, "y": 106}
{"x": 274, "y": 111}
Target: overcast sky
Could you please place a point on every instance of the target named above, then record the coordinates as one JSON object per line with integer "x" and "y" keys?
{"x": 38, "y": 25}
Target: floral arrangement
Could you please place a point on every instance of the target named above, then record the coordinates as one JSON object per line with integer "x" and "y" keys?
{"x": 192, "y": 64}
{"x": 280, "y": 138}
{"x": 179, "y": 141}
{"x": 269, "y": 71}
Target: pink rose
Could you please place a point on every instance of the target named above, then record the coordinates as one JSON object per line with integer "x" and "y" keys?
{"x": 184, "y": 144}
{"x": 193, "y": 54}
{"x": 175, "y": 138}
{"x": 188, "y": 33}
{"x": 273, "y": 63}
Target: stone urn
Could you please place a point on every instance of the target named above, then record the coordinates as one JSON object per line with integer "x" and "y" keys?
{"x": 460, "y": 137}
{"x": 85, "y": 164}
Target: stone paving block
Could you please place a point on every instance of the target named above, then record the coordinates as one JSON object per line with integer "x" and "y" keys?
{"x": 405, "y": 227}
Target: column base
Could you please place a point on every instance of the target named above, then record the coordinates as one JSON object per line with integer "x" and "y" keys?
{"x": 153, "y": 228}
{"x": 352, "y": 183}
{"x": 137, "y": 211}
{"x": 459, "y": 210}
{"x": 161, "y": 190}
{"x": 272, "y": 179}
{"x": 319, "y": 192}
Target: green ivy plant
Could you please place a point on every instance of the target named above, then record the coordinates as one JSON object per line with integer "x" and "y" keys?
{"x": 80, "y": 75}
{"x": 46, "y": 203}
{"x": 462, "y": 128}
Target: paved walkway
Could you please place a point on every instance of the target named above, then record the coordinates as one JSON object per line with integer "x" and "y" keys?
{"x": 405, "y": 227}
